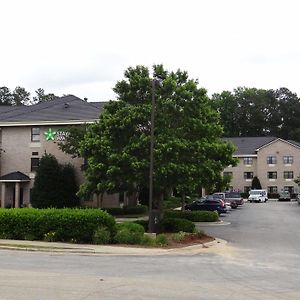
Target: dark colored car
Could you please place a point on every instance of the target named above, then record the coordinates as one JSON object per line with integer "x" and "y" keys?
{"x": 209, "y": 203}
{"x": 234, "y": 197}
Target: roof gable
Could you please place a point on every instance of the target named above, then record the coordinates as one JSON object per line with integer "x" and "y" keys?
{"x": 15, "y": 176}
{"x": 249, "y": 145}
{"x": 290, "y": 142}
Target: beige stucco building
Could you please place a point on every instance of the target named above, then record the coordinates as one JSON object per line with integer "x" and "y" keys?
{"x": 276, "y": 163}
{"x": 27, "y": 132}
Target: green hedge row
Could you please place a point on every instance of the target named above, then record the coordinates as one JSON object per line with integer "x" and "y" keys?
{"x": 127, "y": 210}
{"x": 177, "y": 225}
{"x": 68, "y": 225}
{"x": 194, "y": 216}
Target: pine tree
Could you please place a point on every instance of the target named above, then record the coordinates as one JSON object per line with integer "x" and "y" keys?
{"x": 255, "y": 183}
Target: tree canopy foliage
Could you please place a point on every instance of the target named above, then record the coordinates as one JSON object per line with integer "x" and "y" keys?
{"x": 19, "y": 96}
{"x": 55, "y": 184}
{"x": 259, "y": 112}
{"x": 188, "y": 151}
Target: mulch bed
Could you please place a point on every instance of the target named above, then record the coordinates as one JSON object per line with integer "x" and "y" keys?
{"x": 190, "y": 240}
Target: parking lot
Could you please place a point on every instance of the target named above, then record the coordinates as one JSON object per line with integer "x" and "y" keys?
{"x": 260, "y": 261}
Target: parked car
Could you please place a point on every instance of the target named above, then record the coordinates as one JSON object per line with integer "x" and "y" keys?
{"x": 258, "y": 196}
{"x": 229, "y": 202}
{"x": 209, "y": 203}
{"x": 284, "y": 196}
{"x": 235, "y": 198}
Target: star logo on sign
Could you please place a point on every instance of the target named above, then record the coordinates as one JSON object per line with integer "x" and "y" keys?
{"x": 50, "y": 135}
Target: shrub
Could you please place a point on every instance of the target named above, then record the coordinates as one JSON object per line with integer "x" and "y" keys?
{"x": 54, "y": 224}
{"x": 179, "y": 236}
{"x": 176, "y": 225}
{"x": 143, "y": 223}
{"x": 129, "y": 233}
{"x": 172, "y": 202}
{"x": 51, "y": 237}
{"x": 273, "y": 195}
{"x": 161, "y": 240}
{"x": 127, "y": 210}
{"x": 148, "y": 240}
{"x": 245, "y": 195}
{"x": 194, "y": 216}
{"x": 101, "y": 236}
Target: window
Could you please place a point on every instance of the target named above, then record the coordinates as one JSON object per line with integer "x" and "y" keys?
{"x": 288, "y": 174}
{"x": 34, "y": 164}
{"x": 272, "y": 175}
{"x": 248, "y": 160}
{"x": 272, "y": 189}
{"x": 247, "y": 189}
{"x": 271, "y": 160}
{"x": 34, "y": 153}
{"x": 289, "y": 189}
{"x": 227, "y": 174}
{"x": 248, "y": 175}
{"x": 287, "y": 160}
{"x": 35, "y": 134}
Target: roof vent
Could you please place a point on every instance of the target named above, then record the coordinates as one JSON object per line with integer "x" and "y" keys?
{"x": 66, "y": 105}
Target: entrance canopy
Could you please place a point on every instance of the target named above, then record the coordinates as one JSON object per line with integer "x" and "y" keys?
{"x": 14, "y": 177}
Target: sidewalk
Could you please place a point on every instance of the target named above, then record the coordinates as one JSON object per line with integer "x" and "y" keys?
{"x": 87, "y": 249}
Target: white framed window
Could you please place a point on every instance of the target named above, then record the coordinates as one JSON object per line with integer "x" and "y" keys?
{"x": 271, "y": 160}
{"x": 248, "y": 160}
{"x": 272, "y": 189}
{"x": 35, "y": 134}
{"x": 288, "y": 174}
{"x": 34, "y": 164}
{"x": 248, "y": 175}
{"x": 272, "y": 175}
{"x": 227, "y": 174}
{"x": 288, "y": 160}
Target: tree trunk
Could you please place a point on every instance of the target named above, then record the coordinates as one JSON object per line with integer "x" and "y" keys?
{"x": 182, "y": 201}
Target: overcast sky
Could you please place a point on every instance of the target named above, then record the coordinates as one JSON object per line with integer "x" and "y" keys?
{"x": 83, "y": 47}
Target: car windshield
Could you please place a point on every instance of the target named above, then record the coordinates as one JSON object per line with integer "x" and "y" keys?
{"x": 255, "y": 192}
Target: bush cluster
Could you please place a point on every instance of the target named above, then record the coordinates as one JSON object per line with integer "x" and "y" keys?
{"x": 127, "y": 210}
{"x": 129, "y": 233}
{"x": 67, "y": 225}
{"x": 194, "y": 216}
{"x": 177, "y": 225}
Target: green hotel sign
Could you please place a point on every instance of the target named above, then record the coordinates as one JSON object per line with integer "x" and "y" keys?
{"x": 59, "y": 135}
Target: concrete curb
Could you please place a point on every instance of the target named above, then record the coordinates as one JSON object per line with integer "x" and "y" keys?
{"x": 64, "y": 248}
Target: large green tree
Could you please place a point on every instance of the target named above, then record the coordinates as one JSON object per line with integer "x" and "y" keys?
{"x": 188, "y": 151}
{"x": 54, "y": 184}
{"x": 20, "y": 96}
{"x": 6, "y": 97}
{"x": 42, "y": 97}
{"x": 259, "y": 112}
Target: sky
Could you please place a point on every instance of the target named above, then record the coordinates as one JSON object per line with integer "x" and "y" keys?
{"x": 84, "y": 47}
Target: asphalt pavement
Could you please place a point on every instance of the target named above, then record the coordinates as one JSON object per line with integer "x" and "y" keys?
{"x": 260, "y": 260}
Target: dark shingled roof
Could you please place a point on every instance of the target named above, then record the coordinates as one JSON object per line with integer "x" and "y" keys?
{"x": 249, "y": 145}
{"x": 61, "y": 109}
{"x": 15, "y": 176}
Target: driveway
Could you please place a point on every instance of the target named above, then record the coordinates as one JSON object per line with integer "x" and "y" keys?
{"x": 260, "y": 261}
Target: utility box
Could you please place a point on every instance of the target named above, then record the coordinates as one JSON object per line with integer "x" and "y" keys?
{"x": 154, "y": 218}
